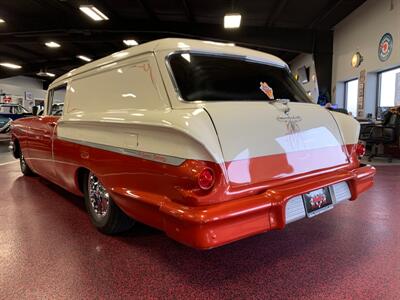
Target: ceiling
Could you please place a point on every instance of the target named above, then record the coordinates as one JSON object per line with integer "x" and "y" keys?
{"x": 281, "y": 27}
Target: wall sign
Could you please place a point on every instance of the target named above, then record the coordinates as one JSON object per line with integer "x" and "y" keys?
{"x": 385, "y": 47}
{"x": 361, "y": 95}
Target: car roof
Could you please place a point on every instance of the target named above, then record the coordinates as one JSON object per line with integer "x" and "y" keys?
{"x": 174, "y": 44}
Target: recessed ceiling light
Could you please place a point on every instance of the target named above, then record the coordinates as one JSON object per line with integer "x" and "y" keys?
{"x": 50, "y": 74}
{"x": 93, "y": 13}
{"x": 232, "y": 20}
{"x": 10, "y": 65}
{"x": 2, "y": 20}
{"x": 131, "y": 43}
{"x": 53, "y": 44}
{"x": 85, "y": 58}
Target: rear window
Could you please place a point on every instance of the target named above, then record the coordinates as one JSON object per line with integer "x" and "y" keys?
{"x": 218, "y": 78}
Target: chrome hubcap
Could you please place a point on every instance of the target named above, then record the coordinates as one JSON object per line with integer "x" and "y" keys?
{"x": 98, "y": 196}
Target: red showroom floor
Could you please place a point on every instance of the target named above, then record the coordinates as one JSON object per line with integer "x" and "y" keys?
{"x": 48, "y": 249}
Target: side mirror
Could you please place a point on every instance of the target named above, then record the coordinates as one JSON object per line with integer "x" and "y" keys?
{"x": 35, "y": 110}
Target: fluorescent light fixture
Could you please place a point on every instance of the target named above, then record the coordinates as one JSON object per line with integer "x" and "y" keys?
{"x": 219, "y": 43}
{"x": 10, "y": 65}
{"x": 131, "y": 43}
{"x": 2, "y": 20}
{"x": 85, "y": 58}
{"x": 93, "y": 13}
{"x": 232, "y": 20}
{"x": 45, "y": 74}
{"x": 52, "y": 44}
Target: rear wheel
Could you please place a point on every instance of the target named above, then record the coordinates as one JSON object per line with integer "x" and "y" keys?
{"x": 103, "y": 212}
{"x": 25, "y": 169}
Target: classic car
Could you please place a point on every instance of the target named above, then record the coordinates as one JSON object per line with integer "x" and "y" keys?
{"x": 13, "y": 111}
{"x": 5, "y": 123}
{"x": 206, "y": 141}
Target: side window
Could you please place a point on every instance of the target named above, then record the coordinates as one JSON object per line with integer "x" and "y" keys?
{"x": 128, "y": 86}
{"x": 351, "y": 96}
{"x": 56, "y": 101}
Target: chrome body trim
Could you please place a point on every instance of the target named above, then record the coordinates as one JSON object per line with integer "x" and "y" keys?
{"x": 341, "y": 192}
{"x": 171, "y": 160}
{"x": 295, "y": 209}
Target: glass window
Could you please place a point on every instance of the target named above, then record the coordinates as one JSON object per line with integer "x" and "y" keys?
{"x": 387, "y": 87}
{"x": 219, "y": 78}
{"x": 56, "y": 101}
{"x": 352, "y": 96}
{"x": 6, "y": 109}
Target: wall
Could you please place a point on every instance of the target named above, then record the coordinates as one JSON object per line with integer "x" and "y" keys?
{"x": 361, "y": 31}
{"x": 308, "y": 61}
{"x": 18, "y": 85}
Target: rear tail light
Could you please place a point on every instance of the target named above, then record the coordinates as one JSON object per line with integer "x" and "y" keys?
{"x": 206, "y": 179}
{"x": 360, "y": 150}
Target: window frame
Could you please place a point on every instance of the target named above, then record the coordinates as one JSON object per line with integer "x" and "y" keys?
{"x": 50, "y": 95}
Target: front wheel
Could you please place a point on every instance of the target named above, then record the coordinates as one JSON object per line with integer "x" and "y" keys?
{"x": 25, "y": 169}
{"x": 104, "y": 213}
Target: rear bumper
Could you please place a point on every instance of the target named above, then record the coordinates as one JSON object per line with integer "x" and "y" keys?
{"x": 206, "y": 227}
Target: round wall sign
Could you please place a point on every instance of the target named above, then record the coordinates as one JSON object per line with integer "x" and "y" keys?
{"x": 385, "y": 47}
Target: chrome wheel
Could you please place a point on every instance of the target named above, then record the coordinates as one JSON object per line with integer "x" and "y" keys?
{"x": 98, "y": 196}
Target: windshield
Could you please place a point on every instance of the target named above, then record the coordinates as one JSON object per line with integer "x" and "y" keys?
{"x": 12, "y": 109}
{"x": 218, "y": 78}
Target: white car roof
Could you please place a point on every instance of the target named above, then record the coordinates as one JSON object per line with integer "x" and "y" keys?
{"x": 173, "y": 44}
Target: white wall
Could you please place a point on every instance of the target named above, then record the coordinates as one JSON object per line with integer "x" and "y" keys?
{"x": 18, "y": 85}
{"x": 308, "y": 61}
{"x": 361, "y": 31}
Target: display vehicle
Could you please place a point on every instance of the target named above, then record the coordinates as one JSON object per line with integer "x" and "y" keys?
{"x": 13, "y": 111}
{"x": 206, "y": 141}
{"x": 5, "y": 123}
{"x": 9, "y": 112}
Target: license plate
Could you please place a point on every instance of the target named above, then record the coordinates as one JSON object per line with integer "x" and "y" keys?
{"x": 317, "y": 202}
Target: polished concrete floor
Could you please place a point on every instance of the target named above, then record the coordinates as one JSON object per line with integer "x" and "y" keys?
{"x": 5, "y": 155}
{"x": 49, "y": 250}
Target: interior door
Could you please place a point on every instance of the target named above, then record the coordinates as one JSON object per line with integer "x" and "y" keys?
{"x": 42, "y": 131}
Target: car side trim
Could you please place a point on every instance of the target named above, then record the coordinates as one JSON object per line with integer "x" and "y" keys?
{"x": 171, "y": 160}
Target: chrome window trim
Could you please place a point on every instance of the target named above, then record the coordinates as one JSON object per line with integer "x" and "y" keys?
{"x": 211, "y": 53}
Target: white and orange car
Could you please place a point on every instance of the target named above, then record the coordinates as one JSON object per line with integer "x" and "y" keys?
{"x": 208, "y": 142}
